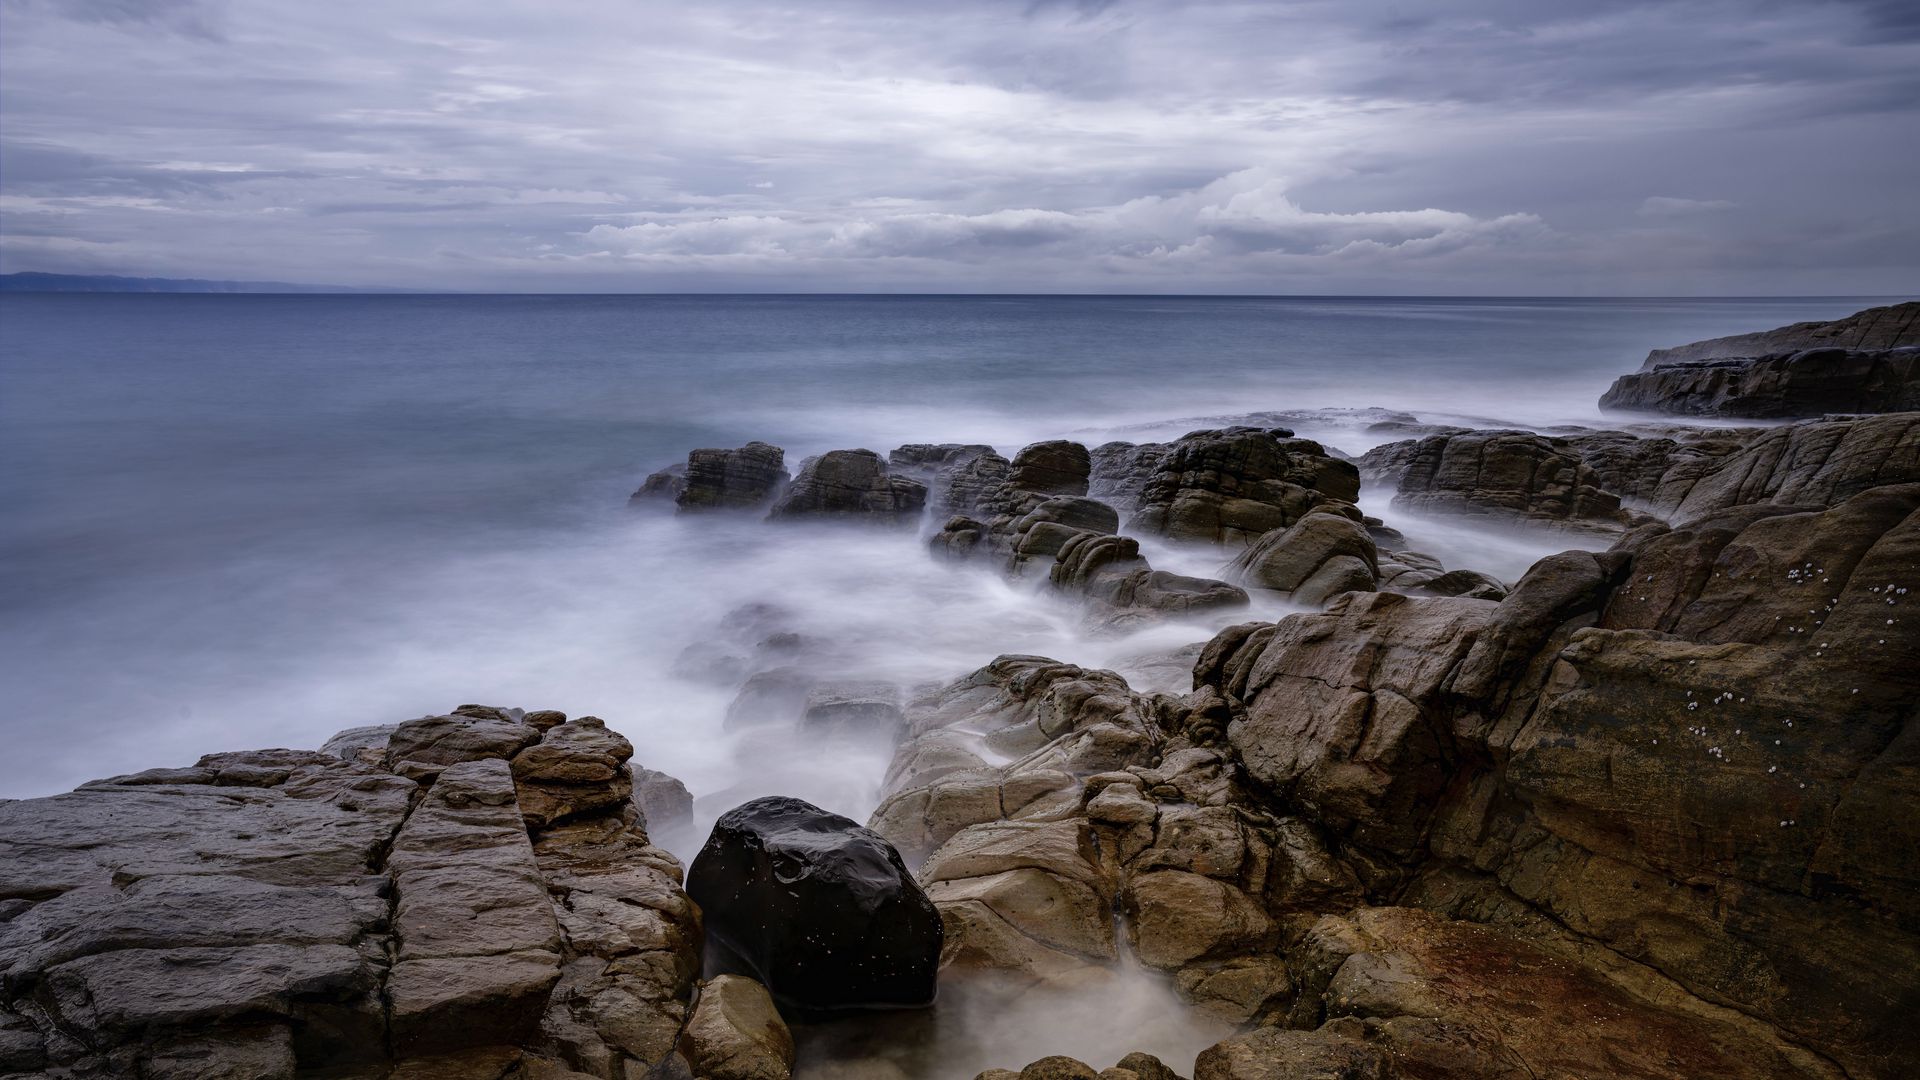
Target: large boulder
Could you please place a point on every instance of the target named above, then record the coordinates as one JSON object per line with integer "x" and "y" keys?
{"x": 741, "y": 479}
{"x": 852, "y": 485}
{"x": 819, "y": 909}
{"x": 1814, "y": 463}
{"x": 1321, "y": 555}
{"x": 1233, "y": 485}
{"x": 1058, "y": 467}
{"x": 735, "y": 1033}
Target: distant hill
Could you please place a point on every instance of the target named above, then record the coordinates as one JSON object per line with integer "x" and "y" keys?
{"x": 36, "y": 282}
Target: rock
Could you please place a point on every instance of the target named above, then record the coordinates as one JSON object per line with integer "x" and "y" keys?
{"x": 1324, "y": 553}
{"x": 859, "y": 708}
{"x": 1146, "y": 1067}
{"x": 366, "y": 744}
{"x": 775, "y": 696}
{"x": 931, "y": 459}
{"x": 1805, "y": 383}
{"x": 1816, "y": 463}
{"x": 665, "y": 803}
{"x": 1120, "y": 471}
{"x": 1890, "y": 327}
{"x": 423, "y": 748}
{"x": 740, "y": 479}
{"x": 852, "y": 485}
{"x": 1058, "y": 1068}
{"x": 964, "y": 490}
{"x": 665, "y": 486}
{"x": 1052, "y": 468}
{"x": 1233, "y": 485}
{"x": 478, "y": 942}
{"x": 578, "y": 767}
{"x": 821, "y": 910}
{"x": 1512, "y": 475}
{"x": 735, "y": 1033}
{"x": 1278, "y": 1054}
{"x": 285, "y": 913}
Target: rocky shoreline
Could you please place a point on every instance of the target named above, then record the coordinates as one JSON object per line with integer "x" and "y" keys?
{"x": 1649, "y": 811}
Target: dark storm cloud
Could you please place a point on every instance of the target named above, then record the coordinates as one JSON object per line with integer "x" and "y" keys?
{"x": 1499, "y": 145}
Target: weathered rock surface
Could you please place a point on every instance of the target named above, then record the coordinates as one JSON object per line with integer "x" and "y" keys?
{"x": 1814, "y": 463}
{"x": 1323, "y": 554}
{"x": 741, "y": 479}
{"x": 820, "y": 910}
{"x": 852, "y": 485}
{"x": 735, "y": 1033}
{"x": 661, "y": 488}
{"x": 1514, "y": 476}
{"x": 1233, "y": 485}
{"x": 285, "y": 913}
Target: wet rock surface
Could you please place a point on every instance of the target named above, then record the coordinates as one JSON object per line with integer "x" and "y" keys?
{"x": 852, "y": 485}
{"x": 741, "y": 479}
{"x": 285, "y": 913}
{"x": 1233, "y": 485}
{"x": 818, "y": 908}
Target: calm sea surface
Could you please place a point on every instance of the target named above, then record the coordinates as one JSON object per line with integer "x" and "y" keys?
{"x": 237, "y": 521}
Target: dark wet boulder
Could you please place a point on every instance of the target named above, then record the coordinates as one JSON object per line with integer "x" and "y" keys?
{"x": 1121, "y": 471}
{"x": 733, "y": 479}
{"x": 816, "y": 907}
{"x": 1057, "y": 467}
{"x": 965, "y": 489}
{"x": 853, "y": 485}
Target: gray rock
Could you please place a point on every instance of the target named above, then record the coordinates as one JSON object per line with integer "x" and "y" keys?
{"x": 851, "y": 485}
{"x": 1234, "y": 485}
{"x": 1058, "y": 467}
{"x": 733, "y": 479}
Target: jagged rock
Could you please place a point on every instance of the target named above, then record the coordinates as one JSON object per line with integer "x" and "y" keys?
{"x": 1512, "y": 475}
{"x": 422, "y": 748}
{"x": 1052, "y": 468}
{"x": 966, "y": 489}
{"x": 821, "y": 910}
{"x": 664, "y": 486}
{"x": 852, "y": 485}
{"x": 1120, "y": 472}
{"x": 577, "y": 767}
{"x": 1622, "y": 723}
{"x": 1325, "y": 553}
{"x": 1233, "y": 485}
{"x": 283, "y": 913}
{"x": 733, "y": 479}
{"x": 1816, "y": 463}
{"x": 1125, "y": 591}
{"x": 1279, "y": 1054}
{"x": 735, "y": 1033}
{"x": 930, "y": 459}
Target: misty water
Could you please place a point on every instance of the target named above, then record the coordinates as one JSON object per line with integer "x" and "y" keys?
{"x": 249, "y": 521}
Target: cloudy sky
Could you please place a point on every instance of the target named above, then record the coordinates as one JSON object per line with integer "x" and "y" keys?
{"x": 1329, "y": 146}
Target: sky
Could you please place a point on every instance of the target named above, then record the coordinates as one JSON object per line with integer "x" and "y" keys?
{"x": 1577, "y": 147}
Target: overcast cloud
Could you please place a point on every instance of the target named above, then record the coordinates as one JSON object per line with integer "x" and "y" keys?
{"x": 1320, "y": 147}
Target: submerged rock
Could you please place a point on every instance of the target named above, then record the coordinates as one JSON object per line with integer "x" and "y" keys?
{"x": 819, "y": 909}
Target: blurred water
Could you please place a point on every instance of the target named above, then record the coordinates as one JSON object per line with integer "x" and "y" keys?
{"x": 238, "y": 521}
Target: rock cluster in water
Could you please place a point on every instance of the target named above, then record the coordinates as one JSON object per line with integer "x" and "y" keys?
{"x": 1648, "y": 812}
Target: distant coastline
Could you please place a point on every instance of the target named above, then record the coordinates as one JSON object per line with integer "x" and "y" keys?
{"x": 33, "y": 281}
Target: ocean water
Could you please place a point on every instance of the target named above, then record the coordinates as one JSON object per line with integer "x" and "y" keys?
{"x": 244, "y": 521}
